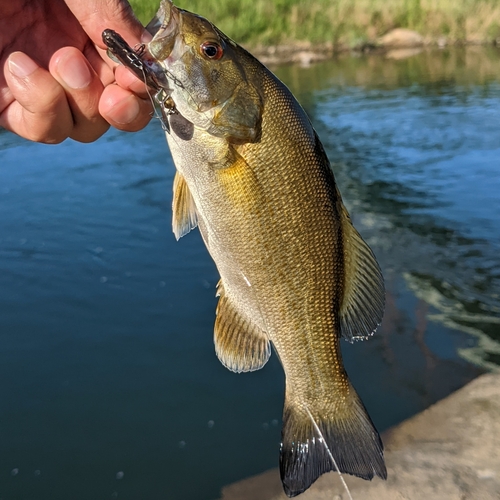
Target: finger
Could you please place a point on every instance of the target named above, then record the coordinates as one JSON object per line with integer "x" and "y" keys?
{"x": 118, "y": 15}
{"x": 101, "y": 64}
{"x": 124, "y": 110}
{"x": 83, "y": 90}
{"x": 39, "y": 110}
{"x": 127, "y": 80}
{"x": 99, "y": 15}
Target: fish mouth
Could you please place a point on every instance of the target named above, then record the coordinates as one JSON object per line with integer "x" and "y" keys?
{"x": 165, "y": 28}
{"x": 144, "y": 60}
{"x": 162, "y": 17}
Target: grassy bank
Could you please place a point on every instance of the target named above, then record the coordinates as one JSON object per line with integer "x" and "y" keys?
{"x": 343, "y": 22}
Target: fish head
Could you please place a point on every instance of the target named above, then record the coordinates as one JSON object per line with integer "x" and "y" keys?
{"x": 209, "y": 75}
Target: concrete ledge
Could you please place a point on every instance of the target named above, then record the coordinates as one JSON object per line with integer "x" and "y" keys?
{"x": 451, "y": 451}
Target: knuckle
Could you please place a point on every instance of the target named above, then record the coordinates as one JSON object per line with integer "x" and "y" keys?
{"x": 89, "y": 132}
{"x": 50, "y": 122}
{"x": 44, "y": 135}
{"x": 51, "y": 102}
{"x": 51, "y": 139}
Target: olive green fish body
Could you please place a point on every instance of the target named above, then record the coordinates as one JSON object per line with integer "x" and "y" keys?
{"x": 253, "y": 176}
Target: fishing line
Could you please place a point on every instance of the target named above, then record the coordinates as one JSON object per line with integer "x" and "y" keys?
{"x": 163, "y": 94}
{"x": 318, "y": 430}
{"x": 154, "y": 102}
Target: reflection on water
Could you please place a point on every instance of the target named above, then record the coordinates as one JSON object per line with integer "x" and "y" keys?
{"x": 109, "y": 387}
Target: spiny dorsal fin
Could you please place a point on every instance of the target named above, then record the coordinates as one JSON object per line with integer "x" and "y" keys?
{"x": 240, "y": 345}
{"x": 362, "y": 306}
{"x": 184, "y": 216}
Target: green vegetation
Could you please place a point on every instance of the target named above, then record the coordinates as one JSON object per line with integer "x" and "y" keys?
{"x": 342, "y": 22}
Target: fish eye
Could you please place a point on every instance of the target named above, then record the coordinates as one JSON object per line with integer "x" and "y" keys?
{"x": 211, "y": 50}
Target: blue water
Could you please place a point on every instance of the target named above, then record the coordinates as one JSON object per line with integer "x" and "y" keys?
{"x": 109, "y": 385}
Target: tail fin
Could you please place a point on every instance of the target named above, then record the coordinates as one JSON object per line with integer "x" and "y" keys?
{"x": 348, "y": 435}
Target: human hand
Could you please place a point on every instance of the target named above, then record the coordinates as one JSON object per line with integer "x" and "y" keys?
{"x": 57, "y": 81}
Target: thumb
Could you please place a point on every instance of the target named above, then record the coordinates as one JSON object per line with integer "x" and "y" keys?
{"x": 97, "y": 15}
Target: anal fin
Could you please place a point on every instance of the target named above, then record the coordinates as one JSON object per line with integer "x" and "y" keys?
{"x": 363, "y": 303}
{"x": 240, "y": 344}
{"x": 184, "y": 214}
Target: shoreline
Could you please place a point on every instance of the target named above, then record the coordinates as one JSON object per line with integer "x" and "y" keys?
{"x": 411, "y": 42}
{"x": 450, "y": 451}
{"x": 344, "y": 23}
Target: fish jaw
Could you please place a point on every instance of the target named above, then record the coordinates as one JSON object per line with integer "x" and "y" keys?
{"x": 162, "y": 16}
{"x": 146, "y": 61}
{"x": 166, "y": 23}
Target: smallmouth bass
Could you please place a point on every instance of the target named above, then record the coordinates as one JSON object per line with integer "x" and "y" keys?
{"x": 253, "y": 176}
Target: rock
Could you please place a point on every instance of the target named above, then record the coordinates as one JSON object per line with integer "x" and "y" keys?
{"x": 451, "y": 451}
{"x": 442, "y": 42}
{"x": 399, "y": 54}
{"x": 401, "y": 37}
{"x": 303, "y": 53}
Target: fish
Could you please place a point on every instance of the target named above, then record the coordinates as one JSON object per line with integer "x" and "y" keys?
{"x": 295, "y": 275}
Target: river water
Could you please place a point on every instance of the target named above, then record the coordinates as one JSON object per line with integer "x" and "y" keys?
{"x": 109, "y": 386}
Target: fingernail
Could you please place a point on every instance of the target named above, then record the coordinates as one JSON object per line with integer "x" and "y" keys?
{"x": 126, "y": 111}
{"x": 20, "y": 65}
{"x": 74, "y": 72}
{"x": 146, "y": 36}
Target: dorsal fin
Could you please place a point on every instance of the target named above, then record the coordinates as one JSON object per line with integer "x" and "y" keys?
{"x": 184, "y": 214}
{"x": 240, "y": 345}
{"x": 363, "y": 303}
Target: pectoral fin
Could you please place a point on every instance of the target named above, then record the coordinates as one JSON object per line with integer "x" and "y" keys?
{"x": 362, "y": 307}
{"x": 240, "y": 345}
{"x": 184, "y": 214}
